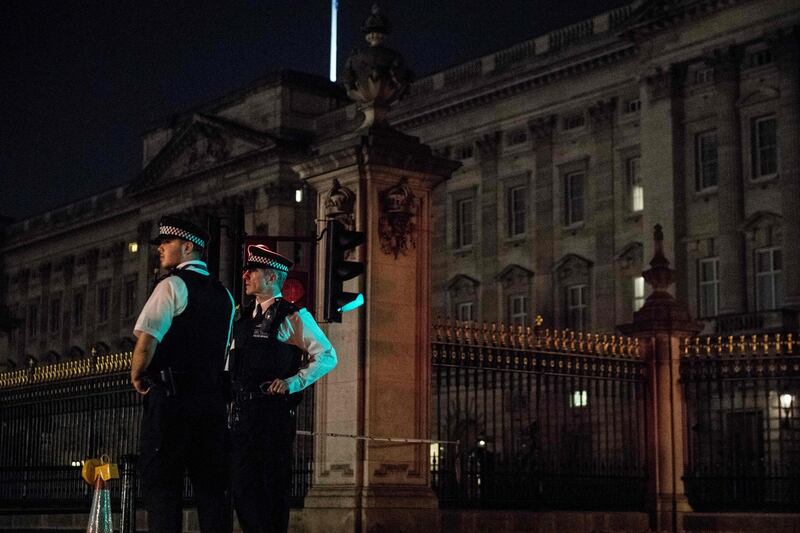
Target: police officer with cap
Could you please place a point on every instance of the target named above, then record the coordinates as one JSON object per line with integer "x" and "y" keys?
{"x": 267, "y": 374}
{"x": 183, "y": 333}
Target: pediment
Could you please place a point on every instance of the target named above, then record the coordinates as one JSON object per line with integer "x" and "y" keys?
{"x": 631, "y": 254}
{"x": 201, "y": 144}
{"x": 514, "y": 274}
{"x": 573, "y": 262}
{"x": 461, "y": 284}
{"x": 760, "y": 220}
{"x": 763, "y": 94}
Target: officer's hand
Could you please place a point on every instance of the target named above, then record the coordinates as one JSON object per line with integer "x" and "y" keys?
{"x": 139, "y": 384}
{"x": 278, "y": 386}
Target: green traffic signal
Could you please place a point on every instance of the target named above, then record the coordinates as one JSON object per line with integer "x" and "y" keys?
{"x": 338, "y": 270}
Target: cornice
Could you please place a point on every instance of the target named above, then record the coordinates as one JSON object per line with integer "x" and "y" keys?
{"x": 657, "y": 16}
{"x": 448, "y": 105}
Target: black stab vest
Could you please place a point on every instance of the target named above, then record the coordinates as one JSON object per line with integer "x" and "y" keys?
{"x": 258, "y": 355}
{"x": 196, "y": 342}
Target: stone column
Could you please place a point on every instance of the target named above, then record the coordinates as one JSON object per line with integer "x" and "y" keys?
{"x": 659, "y": 325}
{"x": 488, "y": 154}
{"x": 544, "y": 277}
{"x": 381, "y": 387}
{"x": 662, "y": 139}
{"x": 732, "y": 297}
{"x": 788, "y": 113}
{"x": 602, "y": 198}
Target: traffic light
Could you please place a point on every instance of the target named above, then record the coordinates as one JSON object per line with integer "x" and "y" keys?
{"x": 337, "y": 270}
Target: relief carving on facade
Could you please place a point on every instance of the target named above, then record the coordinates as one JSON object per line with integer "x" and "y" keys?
{"x": 209, "y": 148}
{"x": 340, "y": 204}
{"x": 396, "y": 224}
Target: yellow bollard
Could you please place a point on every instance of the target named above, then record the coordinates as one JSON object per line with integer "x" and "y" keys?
{"x": 96, "y": 472}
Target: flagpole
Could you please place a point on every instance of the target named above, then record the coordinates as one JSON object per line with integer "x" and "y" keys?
{"x": 334, "y": 10}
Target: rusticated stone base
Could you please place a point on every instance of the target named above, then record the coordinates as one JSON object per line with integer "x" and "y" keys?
{"x": 389, "y": 510}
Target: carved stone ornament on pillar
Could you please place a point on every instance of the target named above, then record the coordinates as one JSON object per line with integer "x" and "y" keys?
{"x": 397, "y": 227}
{"x": 339, "y": 204}
{"x": 375, "y": 76}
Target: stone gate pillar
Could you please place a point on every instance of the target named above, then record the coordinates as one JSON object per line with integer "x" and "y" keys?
{"x": 379, "y": 181}
{"x": 659, "y": 325}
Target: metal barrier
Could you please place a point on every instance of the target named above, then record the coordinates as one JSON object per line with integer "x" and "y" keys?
{"x": 553, "y": 420}
{"x": 743, "y": 419}
{"x": 53, "y": 416}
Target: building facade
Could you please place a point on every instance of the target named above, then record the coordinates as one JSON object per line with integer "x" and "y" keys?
{"x": 573, "y": 145}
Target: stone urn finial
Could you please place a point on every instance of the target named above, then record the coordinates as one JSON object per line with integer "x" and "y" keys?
{"x": 375, "y": 77}
{"x": 659, "y": 276}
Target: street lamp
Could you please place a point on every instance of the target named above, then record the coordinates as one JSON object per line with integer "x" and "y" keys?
{"x": 785, "y": 401}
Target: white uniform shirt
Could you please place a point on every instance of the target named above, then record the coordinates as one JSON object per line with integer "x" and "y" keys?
{"x": 168, "y": 300}
{"x": 301, "y": 330}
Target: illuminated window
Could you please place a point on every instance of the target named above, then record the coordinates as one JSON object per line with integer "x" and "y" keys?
{"x": 633, "y": 168}
{"x": 133, "y": 247}
{"x": 578, "y": 398}
{"x": 708, "y": 287}
{"x": 638, "y": 293}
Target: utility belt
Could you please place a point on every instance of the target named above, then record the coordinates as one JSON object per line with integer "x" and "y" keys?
{"x": 247, "y": 397}
{"x": 242, "y": 393}
{"x": 182, "y": 383}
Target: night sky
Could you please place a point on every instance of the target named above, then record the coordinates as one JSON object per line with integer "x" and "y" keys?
{"x": 81, "y": 81}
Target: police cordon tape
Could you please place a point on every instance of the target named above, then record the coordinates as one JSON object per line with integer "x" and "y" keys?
{"x": 378, "y": 439}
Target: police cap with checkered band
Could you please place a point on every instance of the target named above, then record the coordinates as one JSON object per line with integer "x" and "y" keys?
{"x": 174, "y": 227}
{"x": 260, "y": 256}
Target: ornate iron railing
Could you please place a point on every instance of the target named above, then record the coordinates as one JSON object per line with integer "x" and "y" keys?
{"x": 743, "y": 422}
{"x": 53, "y": 416}
{"x": 544, "y": 419}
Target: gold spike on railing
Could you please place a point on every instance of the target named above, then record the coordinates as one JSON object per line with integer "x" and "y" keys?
{"x": 789, "y": 343}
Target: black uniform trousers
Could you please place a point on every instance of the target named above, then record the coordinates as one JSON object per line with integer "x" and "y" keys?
{"x": 185, "y": 433}
{"x": 262, "y": 443}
